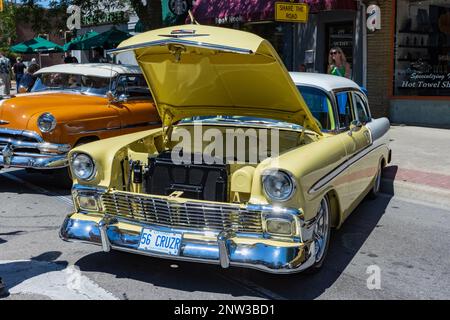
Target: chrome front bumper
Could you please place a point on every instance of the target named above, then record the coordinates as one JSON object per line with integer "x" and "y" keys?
{"x": 224, "y": 248}
{"x": 18, "y": 150}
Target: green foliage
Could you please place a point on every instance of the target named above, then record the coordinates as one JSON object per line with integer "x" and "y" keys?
{"x": 7, "y": 27}
{"x": 52, "y": 18}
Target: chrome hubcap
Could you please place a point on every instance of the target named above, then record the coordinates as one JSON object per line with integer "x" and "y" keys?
{"x": 321, "y": 229}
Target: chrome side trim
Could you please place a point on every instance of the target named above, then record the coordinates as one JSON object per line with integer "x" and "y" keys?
{"x": 342, "y": 167}
{"x": 137, "y": 125}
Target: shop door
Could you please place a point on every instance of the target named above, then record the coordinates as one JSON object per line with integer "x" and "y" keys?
{"x": 340, "y": 34}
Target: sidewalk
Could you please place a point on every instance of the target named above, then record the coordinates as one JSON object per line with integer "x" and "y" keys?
{"x": 420, "y": 167}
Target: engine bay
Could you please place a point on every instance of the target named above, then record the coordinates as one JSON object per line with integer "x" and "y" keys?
{"x": 150, "y": 167}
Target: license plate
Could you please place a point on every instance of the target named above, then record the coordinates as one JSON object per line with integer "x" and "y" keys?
{"x": 158, "y": 241}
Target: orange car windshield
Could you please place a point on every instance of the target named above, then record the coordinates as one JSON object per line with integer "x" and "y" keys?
{"x": 71, "y": 82}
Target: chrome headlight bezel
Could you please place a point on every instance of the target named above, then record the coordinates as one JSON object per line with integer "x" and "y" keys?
{"x": 78, "y": 195}
{"x": 281, "y": 215}
{"x": 47, "y": 118}
{"x": 269, "y": 174}
{"x": 79, "y": 156}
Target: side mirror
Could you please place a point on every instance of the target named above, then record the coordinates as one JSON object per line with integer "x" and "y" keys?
{"x": 122, "y": 98}
{"x": 110, "y": 96}
{"x": 355, "y": 126}
{"x": 22, "y": 89}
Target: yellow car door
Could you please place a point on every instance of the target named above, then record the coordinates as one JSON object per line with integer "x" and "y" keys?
{"x": 356, "y": 138}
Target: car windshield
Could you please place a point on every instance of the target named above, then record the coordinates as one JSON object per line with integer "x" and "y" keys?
{"x": 316, "y": 99}
{"x": 71, "y": 82}
{"x": 320, "y": 106}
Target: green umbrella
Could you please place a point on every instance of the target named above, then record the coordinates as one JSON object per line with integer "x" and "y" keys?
{"x": 36, "y": 45}
{"x": 106, "y": 40}
{"x": 77, "y": 43}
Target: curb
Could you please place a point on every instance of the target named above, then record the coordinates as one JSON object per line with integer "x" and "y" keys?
{"x": 436, "y": 197}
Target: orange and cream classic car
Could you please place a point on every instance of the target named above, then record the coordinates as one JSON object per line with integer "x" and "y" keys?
{"x": 70, "y": 105}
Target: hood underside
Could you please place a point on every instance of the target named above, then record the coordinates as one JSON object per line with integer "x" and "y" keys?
{"x": 197, "y": 70}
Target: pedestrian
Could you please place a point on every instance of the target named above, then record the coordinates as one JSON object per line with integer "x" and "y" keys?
{"x": 33, "y": 61}
{"x": 337, "y": 63}
{"x": 18, "y": 69}
{"x": 98, "y": 57}
{"x": 28, "y": 79}
{"x": 68, "y": 58}
{"x": 5, "y": 77}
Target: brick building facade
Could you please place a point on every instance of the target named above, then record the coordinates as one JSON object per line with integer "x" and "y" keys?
{"x": 379, "y": 61}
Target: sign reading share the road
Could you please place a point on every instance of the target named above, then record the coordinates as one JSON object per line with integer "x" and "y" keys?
{"x": 291, "y": 12}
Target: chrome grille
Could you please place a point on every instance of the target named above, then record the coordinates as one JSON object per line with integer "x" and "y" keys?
{"x": 17, "y": 137}
{"x": 187, "y": 215}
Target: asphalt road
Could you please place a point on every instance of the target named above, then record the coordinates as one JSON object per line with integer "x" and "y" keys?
{"x": 408, "y": 241}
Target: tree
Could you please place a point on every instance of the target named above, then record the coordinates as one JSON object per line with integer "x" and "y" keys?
{"x": 148, "y": 11}
{"x": 7, "y": 27}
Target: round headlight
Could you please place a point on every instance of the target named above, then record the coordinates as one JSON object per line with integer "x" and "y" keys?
{"x": 46, "y": 122}
{"x": 278, "y": 185}
{"x": 83, "y": 167}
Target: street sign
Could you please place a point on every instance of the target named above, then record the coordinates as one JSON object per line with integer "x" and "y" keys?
{"x": 291, "y": 12}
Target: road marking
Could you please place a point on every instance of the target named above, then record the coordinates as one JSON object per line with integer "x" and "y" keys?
{"x": 67, "y": 200}
{"x": 50, "y": 279}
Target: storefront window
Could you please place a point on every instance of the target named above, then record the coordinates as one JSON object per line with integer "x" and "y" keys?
{"x": 422, "y": 48}
{"x": 278, "y": 34}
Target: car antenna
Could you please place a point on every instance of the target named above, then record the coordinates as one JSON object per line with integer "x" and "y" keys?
{"x": 191, "y": 16}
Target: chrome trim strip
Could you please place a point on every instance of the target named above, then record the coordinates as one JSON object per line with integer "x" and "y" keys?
{"x": 99, "y": 130}
{"x": 137, "y": 125}
{"x": 35, "y": 162}
{"x": 183, "y": 42}
{"x": 342, "y": 167}
{"x": 44, "y": 147}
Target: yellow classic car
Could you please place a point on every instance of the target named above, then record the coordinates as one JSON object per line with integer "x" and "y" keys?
{"x": 252, "y": 166}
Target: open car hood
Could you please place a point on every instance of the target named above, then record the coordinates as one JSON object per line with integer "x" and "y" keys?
{"x": 195, "y": 70}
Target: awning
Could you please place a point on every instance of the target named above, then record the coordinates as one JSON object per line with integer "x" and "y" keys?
{"x": 77, "y": 43}
{"x": 224, "y": 12}
{"x": 106, "y": 40}
{"x": 36, "y": 45}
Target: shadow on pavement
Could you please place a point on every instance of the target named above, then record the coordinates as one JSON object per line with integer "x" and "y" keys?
{"x": 177, "y": 275}
{"x": 345, "y": 244}
{"x": 390, "y": 172}
{"x": 16, "y": 272}
{"x": 35, "y": 183}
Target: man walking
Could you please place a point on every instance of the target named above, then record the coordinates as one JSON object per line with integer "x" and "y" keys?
{"x": 5, "y": 84}
{"x": 18, "y": 68}
{"x": 68, "y": 58}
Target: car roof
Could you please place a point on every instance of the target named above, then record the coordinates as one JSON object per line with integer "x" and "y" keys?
{"x": 103, "y": 70}
{"x": 324, "y": 81}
